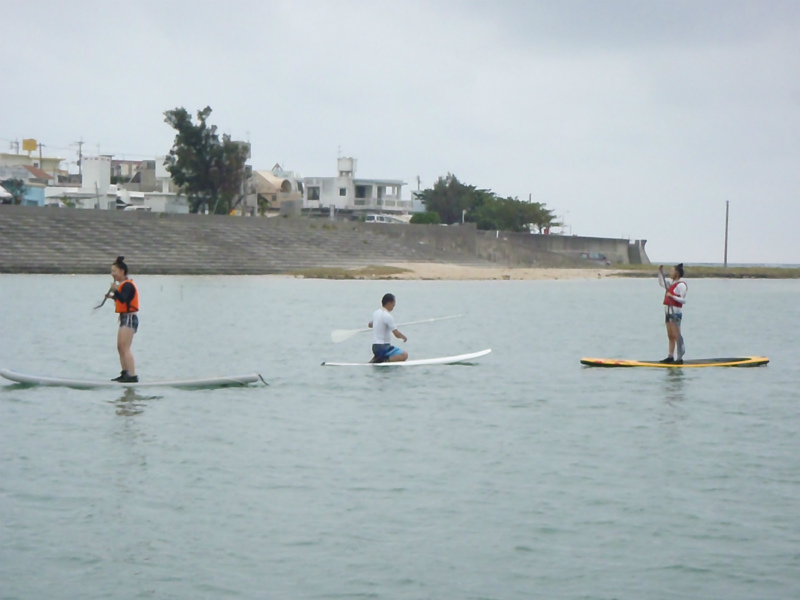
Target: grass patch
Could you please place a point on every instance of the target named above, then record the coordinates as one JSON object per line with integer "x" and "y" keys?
{"x": 370, "y": 272}
{"x": 711, "y": 272}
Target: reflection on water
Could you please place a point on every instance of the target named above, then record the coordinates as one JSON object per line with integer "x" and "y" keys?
{"x": 132, "y": 403}
{"x": 675, "y": 386}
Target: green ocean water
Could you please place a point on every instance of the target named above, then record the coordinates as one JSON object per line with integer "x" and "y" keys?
{"x": 522, "y": 476}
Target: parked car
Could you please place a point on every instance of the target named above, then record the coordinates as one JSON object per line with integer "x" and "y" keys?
{"x": 132, "y": 207}
{"x": 371, "y": 218}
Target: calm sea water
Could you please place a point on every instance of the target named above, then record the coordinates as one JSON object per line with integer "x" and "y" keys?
{"x": 523, "y": 476}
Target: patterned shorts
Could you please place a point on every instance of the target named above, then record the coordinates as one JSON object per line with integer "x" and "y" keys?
{"x": 130, "y": 320}
{"x": 383, "y": 352}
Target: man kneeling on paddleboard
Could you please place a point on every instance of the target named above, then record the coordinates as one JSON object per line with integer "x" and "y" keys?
{"x": 383, "y": 325}
{"x": 674, "y": 299}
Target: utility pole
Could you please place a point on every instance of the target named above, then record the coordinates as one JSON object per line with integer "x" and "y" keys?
{"x": 40, "y": 155}
{"x": 727, "y": 207}
{"x": 80, "y": 157}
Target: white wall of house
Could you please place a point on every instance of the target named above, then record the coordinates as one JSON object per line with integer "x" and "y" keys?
{"x": 346, "y": 191}
{"x": 166, "y": 202}
{"x": 96, "y": 173}
{"x": 15, "y": 160}
{"x": 49, "y": 165}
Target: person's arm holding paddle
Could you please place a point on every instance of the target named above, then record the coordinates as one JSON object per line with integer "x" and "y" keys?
{"x": 111, "y": 290}
{"x": 662, "y": 279}
{"x": 396, "y": 332}
{"x": 399, "y": 335}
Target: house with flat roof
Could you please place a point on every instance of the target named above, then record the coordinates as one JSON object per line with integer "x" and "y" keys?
{"x": 48, "y": 164}
{"x": 348, "y": 192}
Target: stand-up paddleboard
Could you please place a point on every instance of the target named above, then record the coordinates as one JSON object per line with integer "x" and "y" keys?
{"x": 745, "y": 361}
{"x": 211, "y": 382}
{"x": 444, "y": 360}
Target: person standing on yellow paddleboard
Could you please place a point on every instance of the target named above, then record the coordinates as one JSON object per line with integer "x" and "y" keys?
{"x": 674, "y": 299}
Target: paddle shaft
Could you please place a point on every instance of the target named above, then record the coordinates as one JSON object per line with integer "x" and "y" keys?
{"x": 341, "y": 335}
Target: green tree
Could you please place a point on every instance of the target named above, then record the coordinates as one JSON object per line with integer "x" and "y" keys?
{"x": 539, "y": 216}
{"x": 449, "y": 198}
{"x": 512, "y": 214}
{"x": 425, "y": 218}
{"x": 15, "y": 187}
{"x": 210, "y": 170}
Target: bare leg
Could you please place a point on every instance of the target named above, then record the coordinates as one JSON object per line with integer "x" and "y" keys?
{"x": 671, "y": 337}
{"x": 124, "y": 341}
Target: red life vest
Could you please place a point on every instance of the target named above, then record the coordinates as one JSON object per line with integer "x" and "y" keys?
{"x": 133, "y": 306}
{"x": 668, "y": 299}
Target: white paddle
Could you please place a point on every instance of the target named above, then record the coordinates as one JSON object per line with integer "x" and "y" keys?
{"x": 341, "y": 335}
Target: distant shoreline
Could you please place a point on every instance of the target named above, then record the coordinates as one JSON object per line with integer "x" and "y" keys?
{"x": 435, "y": 271}
{"x": 458, "y": 272}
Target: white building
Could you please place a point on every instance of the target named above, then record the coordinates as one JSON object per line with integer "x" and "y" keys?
{"x": 48, "y": 164}
{"x": 97, "y": 191}
{"x": 348, "y": 192}
{"x": 96, "y": 174}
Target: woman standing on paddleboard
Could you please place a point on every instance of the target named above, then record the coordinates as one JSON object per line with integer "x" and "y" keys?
{"x": 674, "y": 299}
{"x": 126, "y": 300}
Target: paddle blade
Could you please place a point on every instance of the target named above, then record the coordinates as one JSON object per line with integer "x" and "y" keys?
{"x": 340, "y": 335}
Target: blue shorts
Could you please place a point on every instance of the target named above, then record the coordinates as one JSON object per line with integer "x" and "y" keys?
{"x": 130, "y": 320}
{"x": 674, "y": 317}
{"x": 383, "y": 352}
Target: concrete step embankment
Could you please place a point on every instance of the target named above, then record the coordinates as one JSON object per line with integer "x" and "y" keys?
{"x": 45, "y": 240}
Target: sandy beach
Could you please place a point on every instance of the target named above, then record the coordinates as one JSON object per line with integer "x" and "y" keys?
{"x": 444, "y": 271}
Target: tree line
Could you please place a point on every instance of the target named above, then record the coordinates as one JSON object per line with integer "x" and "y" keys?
{"x": 451, "y": 201}
{"x": 211, "y": 170}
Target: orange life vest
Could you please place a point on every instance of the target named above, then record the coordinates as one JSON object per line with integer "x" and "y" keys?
{"x": 668, "y": 299}
{"x": 133, "y": 306}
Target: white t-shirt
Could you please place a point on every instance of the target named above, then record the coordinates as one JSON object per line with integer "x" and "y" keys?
{"x": 382, "y": 326}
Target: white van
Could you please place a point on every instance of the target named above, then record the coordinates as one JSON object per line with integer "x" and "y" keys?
{"x": 372, "y": 218}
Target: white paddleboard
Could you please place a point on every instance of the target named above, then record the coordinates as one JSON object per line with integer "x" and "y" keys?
{"x": 210, "y": 382}
{"x": 444, "y": 360}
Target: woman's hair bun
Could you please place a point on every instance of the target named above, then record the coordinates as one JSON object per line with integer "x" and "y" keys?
{"x": 120, "y": 259}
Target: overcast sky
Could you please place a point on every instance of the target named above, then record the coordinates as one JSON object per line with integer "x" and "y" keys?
{"x": 634, "y": 118}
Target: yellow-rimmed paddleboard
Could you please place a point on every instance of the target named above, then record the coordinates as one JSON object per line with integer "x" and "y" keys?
{"x": 743, "y": 361}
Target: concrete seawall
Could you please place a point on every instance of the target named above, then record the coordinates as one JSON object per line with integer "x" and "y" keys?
{"x": 518, "y": 249}
{"x": 614, "y": 251}
{"x": 48, "y": 240}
